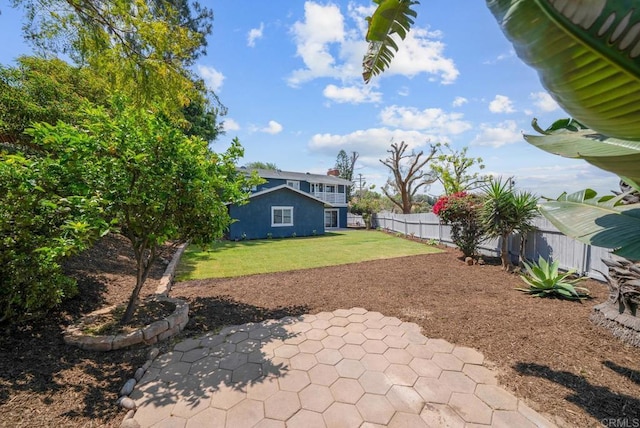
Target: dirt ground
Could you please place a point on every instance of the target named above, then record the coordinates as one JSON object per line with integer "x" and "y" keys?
{"x": 546, "y": 350}
{"x": 45, "y": 383}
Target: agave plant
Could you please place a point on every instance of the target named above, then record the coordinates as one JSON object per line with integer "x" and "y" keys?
{"x": 545, "y": 280}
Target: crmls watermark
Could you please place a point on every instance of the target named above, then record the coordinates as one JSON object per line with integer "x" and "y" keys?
{"x": 620, "y": 423}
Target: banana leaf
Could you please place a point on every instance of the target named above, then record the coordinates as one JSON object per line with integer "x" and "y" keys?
{"x": 390, "y": 17}
{"x": 600, "y": 221}
{"x": 587, "y": 54}
{"x": 571, "y": 139}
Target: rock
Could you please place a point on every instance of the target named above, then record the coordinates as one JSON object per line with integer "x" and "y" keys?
{"x": 126, "y": 340}
{"x": 153, "y": 353}
{"x": 481, "y": 261}
{"x": 127, "y": 403}
{"x": 128, "y": 387}
{"x": 469, "y": 261}
{"x": 154, "y": 329}
{"x": 129, "y": 423}
{"x": 139, "y": 373}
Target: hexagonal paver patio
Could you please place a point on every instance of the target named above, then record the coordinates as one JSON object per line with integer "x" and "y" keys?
{"x": 346, "y": 368}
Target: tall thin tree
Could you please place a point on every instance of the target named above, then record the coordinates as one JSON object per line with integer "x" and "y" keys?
{"x": 346, "y": 165}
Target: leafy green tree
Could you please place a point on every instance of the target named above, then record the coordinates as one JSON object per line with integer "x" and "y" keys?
{"x": 453, "y": 170}
{"x": 366, "y": 203}
{"x": 201, "y": 119}
{"x": 346, "y": 164}
{"x": 160, "y": 184}
{"x": 407, "y": 175}
{"x": 142, "y": 48}
{"x": 44, "y": 90}
{"x": 261, "y": 165}
{"x": 504, "y": 212}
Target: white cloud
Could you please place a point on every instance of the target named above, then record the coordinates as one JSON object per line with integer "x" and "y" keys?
{"x": 459, "y": 101}
{"x": 404, "y": 91}
{"x": 273, "y": 128}
{"x": 544, "y": 102}
{"x": 254, "y": 34}
{"x": 372, "y": 145}
{"x": 501, "y": 57}
{"x": 504, "y": 133}
{"x": 433, "y": 120}
{"x": 212, "y": 77}
{"x": 573, "y": 176}
{"x": 352, "y": 94}
{"x": 322, "y": 26}
{"x": 369, "y": 143}
{"x": 231, "y": 125}
{"x": 330, "y": 48}
{"x": 422, "y": 52}
{"x": 501, "y": 104}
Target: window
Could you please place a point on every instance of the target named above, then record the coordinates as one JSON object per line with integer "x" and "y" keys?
{"x": 330, "y": 188}
{"x": 281, "y": 216}
{"x": 294, "y": 184}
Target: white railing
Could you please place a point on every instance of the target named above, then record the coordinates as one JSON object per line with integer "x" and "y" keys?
{"x": 545, "y": 241}
{"x": 331, "y": 197}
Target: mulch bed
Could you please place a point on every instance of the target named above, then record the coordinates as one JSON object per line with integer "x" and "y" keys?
{"x": 45, "y": 383}
{"x": 545, "y": 350}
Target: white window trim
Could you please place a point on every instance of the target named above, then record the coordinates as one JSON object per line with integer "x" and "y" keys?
{"x": 293, "y": 183}
{"x": 273, "y": 209}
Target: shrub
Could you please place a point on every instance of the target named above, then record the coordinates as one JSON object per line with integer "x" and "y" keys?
{"x": 462, "y": 212}
{"x": 545, "y": 280}
{"x": 40, "y": 225}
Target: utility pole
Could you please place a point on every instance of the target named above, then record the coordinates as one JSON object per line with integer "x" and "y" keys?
{"x": 361, "y": 183}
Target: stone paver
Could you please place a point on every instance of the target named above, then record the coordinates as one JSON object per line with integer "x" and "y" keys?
{"x": 346, "y": 368}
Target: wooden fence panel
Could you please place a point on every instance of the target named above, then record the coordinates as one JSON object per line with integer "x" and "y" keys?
{"x": 545, "y": 241}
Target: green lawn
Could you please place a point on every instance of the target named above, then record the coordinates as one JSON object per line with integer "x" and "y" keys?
{"x": 227, "y": 258}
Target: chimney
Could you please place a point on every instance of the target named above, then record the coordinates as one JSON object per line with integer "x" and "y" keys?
{"x": 333, "y": 172}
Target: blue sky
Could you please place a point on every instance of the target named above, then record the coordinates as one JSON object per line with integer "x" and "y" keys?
{"x": 290, "y": 74}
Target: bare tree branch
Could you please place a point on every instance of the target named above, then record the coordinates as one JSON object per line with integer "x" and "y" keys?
{"x": 406, "y": 185}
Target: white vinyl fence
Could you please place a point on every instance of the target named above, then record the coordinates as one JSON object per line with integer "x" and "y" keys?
{"x": 545, "y": 241}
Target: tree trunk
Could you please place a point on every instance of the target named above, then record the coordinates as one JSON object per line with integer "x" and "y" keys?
{"x": 133, "y": 299}
{"x": 523, "y": 246}
{"x": 504, "y": 253}
{"x": 143, "y": 266}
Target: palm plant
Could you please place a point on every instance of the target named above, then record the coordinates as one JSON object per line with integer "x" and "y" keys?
{"x": 505, "y": 212}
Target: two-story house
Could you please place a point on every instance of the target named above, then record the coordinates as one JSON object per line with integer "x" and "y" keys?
{"x": 291, "y": 204}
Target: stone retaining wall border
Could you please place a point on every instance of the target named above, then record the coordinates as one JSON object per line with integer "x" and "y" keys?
{"x": 150, "y": 334}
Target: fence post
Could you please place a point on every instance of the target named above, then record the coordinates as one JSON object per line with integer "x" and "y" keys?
{"x": 585, "y": 258}
{"x": 406, "y": 228}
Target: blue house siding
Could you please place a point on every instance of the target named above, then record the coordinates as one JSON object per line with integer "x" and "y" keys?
{"x": 254, "y": 219}
{"x": 305, "y": 186}
{"x": 342, "y": 215}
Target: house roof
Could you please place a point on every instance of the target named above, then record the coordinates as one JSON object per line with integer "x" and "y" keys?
{"x": 285, "y": 187}
{"x": 301, "y": 176}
